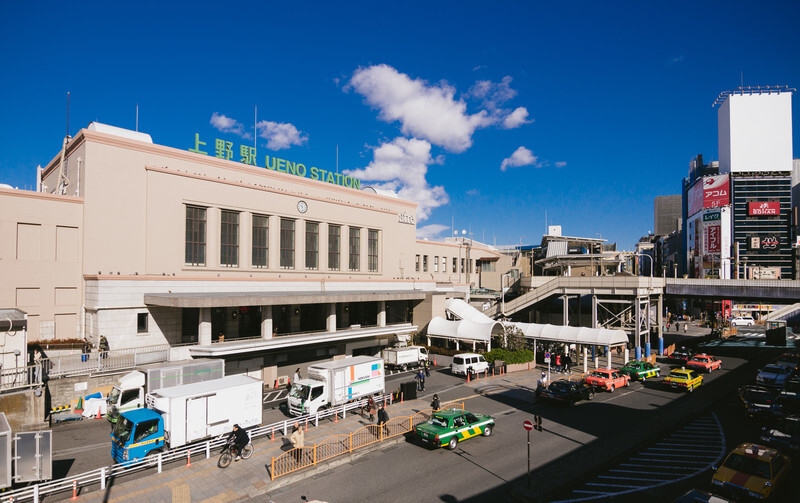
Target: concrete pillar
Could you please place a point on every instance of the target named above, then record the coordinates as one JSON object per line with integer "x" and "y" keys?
{"x": 661, "y": 324}
{"x": 204, "y": 327}
{"x": 626, "y": 353}
{"x": 594, "y": 311}
{"x": 456, "y": 345}
{"x": 382, "y": 313}
{"x": 266, "y": 322}
{"x": 474, "y": 348}
{"x": 330, "y": 324}
{"x": 585, "y": 359}
{"x": 565, "y": 304}
{"x": 608, "y": 356}
{"x": 429, "y": 340}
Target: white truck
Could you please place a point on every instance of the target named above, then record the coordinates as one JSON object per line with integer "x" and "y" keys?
{"x": 336, "y": 382}
{"x": 130, "y": 391}
{"x": 183, "y": 414}
{"x": 405, "y": 358}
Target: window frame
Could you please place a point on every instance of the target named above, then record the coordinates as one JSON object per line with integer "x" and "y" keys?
{"x": 196, "y": 237}
{"x": 287, "y": 239}
{"x": 334, "y": 247}
{"x": 354, "y": 249}
{"x": 312, "y": 245}
{"x": 373, "y": 245}
{"x": 229, "y": 238}
{"x": 260, "y": 241}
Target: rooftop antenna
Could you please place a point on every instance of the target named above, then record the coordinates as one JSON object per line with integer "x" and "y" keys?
{"x": 67, "y": 135}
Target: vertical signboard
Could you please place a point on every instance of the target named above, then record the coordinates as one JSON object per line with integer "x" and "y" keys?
{"x": 713, "y": 239}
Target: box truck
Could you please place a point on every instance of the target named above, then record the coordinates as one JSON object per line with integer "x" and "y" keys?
{"x": 184, "y": 414}
{"x": 130, "y": 391}
{"x": 405, "y": 358}
{"x": 336, "y": 382}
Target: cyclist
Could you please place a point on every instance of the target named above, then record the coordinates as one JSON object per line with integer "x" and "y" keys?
{"x": 240, "y": 439}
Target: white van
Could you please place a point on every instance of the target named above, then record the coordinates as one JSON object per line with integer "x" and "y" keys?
{"x": 464, "y": 361}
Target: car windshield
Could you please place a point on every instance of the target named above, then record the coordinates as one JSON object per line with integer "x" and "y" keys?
{"x": 599, "y": 374}
{"x": 559, "y": 386}
{"x": 123, "y": 428}
{"x": 439, "y": 421}
{"x": 748, "y": 465}
{"x": 757, "y": 395}
{"x": 775, "y": 369}
{"x": 299, "y": 391}
{"x": 113, "y": 397}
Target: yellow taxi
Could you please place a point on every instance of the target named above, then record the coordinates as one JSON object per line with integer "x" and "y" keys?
{"x": 752, "y": 471}
{"x": 683, "y": 378}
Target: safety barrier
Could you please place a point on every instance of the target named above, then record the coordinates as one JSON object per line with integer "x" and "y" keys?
{"x": 299, "y": 458}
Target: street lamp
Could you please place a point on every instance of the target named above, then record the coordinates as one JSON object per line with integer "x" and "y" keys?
{"x": 651, "y": 261}
{"x": 503, "y": 290}
{"x": 460, "y": 264}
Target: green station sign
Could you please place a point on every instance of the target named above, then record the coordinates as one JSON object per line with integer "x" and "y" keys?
{"x": 247, "y": 155}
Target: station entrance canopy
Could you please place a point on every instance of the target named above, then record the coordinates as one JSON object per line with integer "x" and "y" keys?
{"x": 474, "y": 326}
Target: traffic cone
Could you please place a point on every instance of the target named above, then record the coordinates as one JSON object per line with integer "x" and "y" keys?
{"x": 189, "y": 458}
{"x": 98, "y": 414}
{"x": 74, "y": 490}
{"x": 467, "y": 375}
{"x": 434, "y": 362}
{"x": 272, "y": 437}
{"x": 306, "y": 428}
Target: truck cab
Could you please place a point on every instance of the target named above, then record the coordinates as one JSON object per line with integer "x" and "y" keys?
{"x": 307, "y": 396}
{"x": 127, "y": 394}
{"x": 136, "y": 434}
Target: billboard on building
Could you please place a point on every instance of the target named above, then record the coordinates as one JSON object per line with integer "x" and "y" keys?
{"x": 764, "y": 208}
{"x": 709, "y": 192}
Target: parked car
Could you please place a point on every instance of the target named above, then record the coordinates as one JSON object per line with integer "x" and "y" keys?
{"x": 681, "y": 355}
{"x": 757, "y": 401}
{"x": 704, "y": 362}
{"x": 607, "y": 379}
{"x": 773, "y": 375}
{"x": 464, "y": 362}
{"x": 564, "y": 391}
{"x": 752, "y": 472}
{"x": 784, "y": 435}
{"x": 791, "y": 360}
{"x": 449, "y": 427}
{"x": 640, "y": 370}
{"x": 743, "y": 321}
{"x": 686, "y": 379}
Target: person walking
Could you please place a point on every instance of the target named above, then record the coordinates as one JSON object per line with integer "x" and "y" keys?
{"x": 427, "y": 365}
{"x": 558, "y": 363}
{"x": 435, "y": 405}
{"x": 103, "y": 347}
{"x": 421, "y": 379}
{"x": 685, "y": 327}
{"x": 383, "y": 418}
{"x": 371, "y": 408}
{"x": 85, "y": 350}
{"x": 567, "y": 363}
{"x": 297, "y": 438}
{"x": 297, "y": 375}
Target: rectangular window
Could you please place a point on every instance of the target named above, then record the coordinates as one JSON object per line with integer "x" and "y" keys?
{"x": 416, "y": 263}
{"x": 424, "y": 263}
{"x": 372, "y": 250}
{"x": 312, "y": 245}
{"x": 287, "y": 243}
{"x": 229, "y": 239}
{"x": 444, "y": 264}
{"x": 260, "y": 241}
{"x": 141, "y": 323}
{"x": 462, "y": 266}
{"x": 435, "y": 264}
{"x": 195, "y": 236}
{"x": 355, "y": 249}
{"x": 334, "y": 246}
{"x": 455, "y": 264}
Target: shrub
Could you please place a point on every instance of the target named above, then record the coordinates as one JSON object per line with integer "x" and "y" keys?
{"x": 519, "y": 356}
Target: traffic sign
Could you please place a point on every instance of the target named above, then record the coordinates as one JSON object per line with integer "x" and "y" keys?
{"x": 547, "y": 357}
{"x": 527, "y": 425}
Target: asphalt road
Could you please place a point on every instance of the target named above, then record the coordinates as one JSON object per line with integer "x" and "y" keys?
{"x": 483, "y": 469}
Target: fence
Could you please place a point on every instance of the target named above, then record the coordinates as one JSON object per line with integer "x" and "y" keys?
{"x": 81, "y": 364}
{"x": 299, "y": 458}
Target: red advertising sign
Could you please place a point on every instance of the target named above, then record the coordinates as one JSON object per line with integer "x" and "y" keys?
{"x": 764, "y": 208}
{"x": 710, "y": 192}
{"x": 713, "y": 239}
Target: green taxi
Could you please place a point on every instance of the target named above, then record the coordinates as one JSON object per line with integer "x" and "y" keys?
{"x": 449, "y": 427}
{"x": 639, "y": 370}
{"x": 683, "y": 379}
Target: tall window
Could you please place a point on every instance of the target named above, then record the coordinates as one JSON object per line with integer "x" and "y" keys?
{"x": 424, "y": 263}
{"x": 416, "y": 263}
{"x": 355, "y": 249}
{"x": 455, "y": 264}
{"x": 287, "y": 243}
{"x": 444, "y": 264}
{"x": 260, "y": 241}
{"x": 229, "y": 239}
{"x": 312, "y": 245}
{"x": 435, "y": 264}
{"x": 195, "y": 235}
{"x": 334, "y": 246}
{"x": 372, "y": 250}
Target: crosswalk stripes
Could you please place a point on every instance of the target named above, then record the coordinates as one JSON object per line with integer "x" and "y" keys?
{"x": 682, "y": 454}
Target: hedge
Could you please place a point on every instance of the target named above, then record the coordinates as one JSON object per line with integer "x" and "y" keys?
{"x": 521, "y": 356}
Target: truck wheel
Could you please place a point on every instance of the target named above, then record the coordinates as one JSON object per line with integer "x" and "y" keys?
{"x": 452, "y": 443}
{"x": 152, "y": 456}
{"x": 404, "y": 367}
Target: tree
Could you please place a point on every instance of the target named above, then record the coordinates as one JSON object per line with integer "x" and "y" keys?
{"x": 513, "y": 338}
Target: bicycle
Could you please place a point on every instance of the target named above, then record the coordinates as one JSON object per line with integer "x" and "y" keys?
{"x": 229, "y": 452}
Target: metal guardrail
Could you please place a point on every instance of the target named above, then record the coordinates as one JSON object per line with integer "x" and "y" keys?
{"x": 81, "y": 364}
{"x": 303, "y": 457}
{"x": 101, "y": 476}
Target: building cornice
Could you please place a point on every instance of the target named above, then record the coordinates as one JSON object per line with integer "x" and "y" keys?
{"x": 41, "y": 195}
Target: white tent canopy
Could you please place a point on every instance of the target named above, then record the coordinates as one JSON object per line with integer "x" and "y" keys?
{"x": 464, "y": 330}
{"x": 573, "y": 335}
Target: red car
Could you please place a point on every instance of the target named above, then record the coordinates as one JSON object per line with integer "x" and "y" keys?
{"x": 704, "y": 362}
{"x": 607, "y": 379}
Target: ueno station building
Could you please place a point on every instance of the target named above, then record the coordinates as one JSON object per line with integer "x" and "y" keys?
{"x": 150, "y": 245}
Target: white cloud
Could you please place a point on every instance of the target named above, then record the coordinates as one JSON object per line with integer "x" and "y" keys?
{"x": 401, "y": 166}
{"x": 425, "y": 111}
{"x": 521, "y": 157}
{"x": 226, "y": 124}
{"x": 280, "y": 135}
{"x": 560, "y": 164}
{"x": 516, "y": 118}
{"x": 432, "y": 231}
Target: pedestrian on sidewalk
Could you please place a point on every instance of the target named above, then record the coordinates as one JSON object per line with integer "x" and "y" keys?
{"x": 297, "y": 438}
{"x": 558, "y": 363}
{"x": 297, "y": 375}
{"x": 371, "y": 408}
{"x": 685, "y": 327}
{"x": 383, "y": 418}
{"x": 103, "y": 347}
{"x": 435, "y": 405}
{"x": 427, "y": 366}
{"x": 567, "y": 363}
{"x": 421, "y": 380}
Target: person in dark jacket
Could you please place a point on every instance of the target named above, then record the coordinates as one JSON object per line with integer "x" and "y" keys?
{"x": 435, "y": 405}
{"x": 240, "y": 439}
{"x": 421, "y": 378}
{"x": 103, "y": 347}
{"x": 383, "y": 417}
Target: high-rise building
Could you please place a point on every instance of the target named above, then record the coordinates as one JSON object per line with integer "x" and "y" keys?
{"x": 667, "y": 214}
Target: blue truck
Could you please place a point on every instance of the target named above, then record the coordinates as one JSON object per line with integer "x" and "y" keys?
{"x": 184, "y": 414}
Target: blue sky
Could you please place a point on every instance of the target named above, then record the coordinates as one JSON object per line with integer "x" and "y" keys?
{"x": 490, "y": 115}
